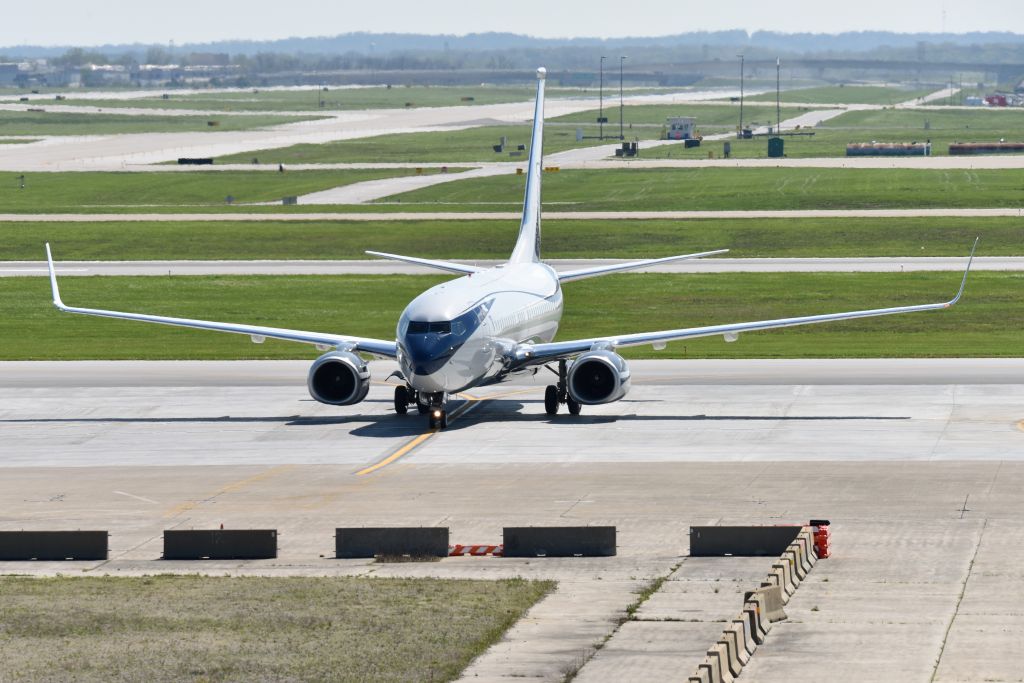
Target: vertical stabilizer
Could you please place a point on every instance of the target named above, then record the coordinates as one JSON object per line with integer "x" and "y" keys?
{"x": 527, "y": 247}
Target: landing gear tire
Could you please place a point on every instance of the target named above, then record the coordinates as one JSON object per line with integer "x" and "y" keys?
{"x": 551, "y": 400}
{"x": 422, "y": 409}
{"x": 401, "y": 399}
{"x": 574, "y": 406}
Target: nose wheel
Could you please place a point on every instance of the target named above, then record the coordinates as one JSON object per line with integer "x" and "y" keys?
{"x": 557, "y": 394}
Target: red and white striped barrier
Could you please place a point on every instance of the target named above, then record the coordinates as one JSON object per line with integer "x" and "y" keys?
{"x": 475, "y": 550}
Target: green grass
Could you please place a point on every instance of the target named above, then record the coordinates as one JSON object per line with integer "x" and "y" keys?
{"x": 63, "y": 123}
{"x": 736, "y": 188}
{"x": 986, "y": 323}
{"x": 50, "y": 192}
{"x": 493, "y": 239}
{"x": 175, "y": 628}
{"x": 848, "y": 94}
{"x": 18, "y": 141}
{"x": 471, "y": 144}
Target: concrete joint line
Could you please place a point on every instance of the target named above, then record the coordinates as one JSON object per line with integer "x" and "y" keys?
{"x": 960, "y": 599}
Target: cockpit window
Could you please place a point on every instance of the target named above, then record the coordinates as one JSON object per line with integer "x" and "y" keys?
{"x": 442, "y": 327}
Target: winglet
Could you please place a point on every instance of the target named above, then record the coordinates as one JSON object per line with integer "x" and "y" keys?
{"x": 53, "y": 280}
{"x": 963, "y": 283}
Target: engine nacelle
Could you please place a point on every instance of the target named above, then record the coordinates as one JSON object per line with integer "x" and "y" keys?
{"x": 598, "y": 377}
{"x": 339, "y": 378}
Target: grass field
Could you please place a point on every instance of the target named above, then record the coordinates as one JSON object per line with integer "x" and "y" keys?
{"x": 56, "y": 192}
{"x": 986, "y": 323}
{"x": 176, "y": 628}
{"x": 493, "y": 239}
{"x": 847, "y": 94}
{"x": 63, "y": 123}
{"x": 735, "y": 188}
{"x": 470, "y": 144}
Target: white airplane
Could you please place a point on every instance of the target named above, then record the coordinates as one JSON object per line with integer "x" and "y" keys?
{"x": 490, "y": 324}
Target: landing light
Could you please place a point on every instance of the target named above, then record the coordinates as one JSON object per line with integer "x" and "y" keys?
{"x": 437, "y": 413}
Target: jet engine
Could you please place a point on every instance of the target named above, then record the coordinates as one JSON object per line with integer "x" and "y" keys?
{"x": 598, "y": 377}
{"x": 339, "y": 378}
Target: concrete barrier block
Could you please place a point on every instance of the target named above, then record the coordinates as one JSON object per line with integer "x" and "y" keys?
{"x": 801, "y": 557}
{"x": 559, "y": 541}
{"x": 733, "y": 636}
{"x": 806, "y": 536}
{"x": 716, "y": 541}
{"x": 770, "y": 598}
{"x": 792, "y": 555}
{"x": 746, "y": 628}
{"x": 220, "y": 544}
{"x": 732, "y": 651}
{"x": 760, "y": 625}
{"x": 711, "y": 669}
{"x": 721, "y": 652}
{"x": 53, "y": 545}
{"x": 367, "y": 542}
{"x": 700, "y": 676}
{"x": 787, "y": 582}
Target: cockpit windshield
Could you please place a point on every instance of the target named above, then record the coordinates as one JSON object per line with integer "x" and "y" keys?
{"x": 419, "y": 327}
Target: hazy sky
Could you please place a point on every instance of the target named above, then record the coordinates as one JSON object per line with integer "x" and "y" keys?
{"x": 59, "y": 22}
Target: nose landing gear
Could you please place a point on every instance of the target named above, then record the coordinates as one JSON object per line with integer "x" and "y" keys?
{"x": 557, "y": 394}
{"x": 432, "y": 405}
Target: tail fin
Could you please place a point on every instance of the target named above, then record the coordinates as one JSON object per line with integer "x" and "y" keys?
{"x": 527, "y": 247}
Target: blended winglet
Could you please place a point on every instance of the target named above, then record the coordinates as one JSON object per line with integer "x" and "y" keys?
{"x": 53, "y": 280}
{"x": 967, "y": 270}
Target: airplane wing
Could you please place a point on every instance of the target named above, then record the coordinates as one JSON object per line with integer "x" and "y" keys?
{"x": 583, "y": 273}
{"x": 430, "y": 263}
{"x": 532, "y": 354}
{"x": 376, "y": 347}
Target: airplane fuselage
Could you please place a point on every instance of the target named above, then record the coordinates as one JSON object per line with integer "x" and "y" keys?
{"x": 462, "y": 333}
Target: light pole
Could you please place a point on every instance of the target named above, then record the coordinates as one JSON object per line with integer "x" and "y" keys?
{"x": 778, "y": 115}
{"x": 621, "y": 60}
{"x": 739, "y": 134}
{"x": 600, "y": 101}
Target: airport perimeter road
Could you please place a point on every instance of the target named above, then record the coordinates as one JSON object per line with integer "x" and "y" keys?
{"x": 919, "y": 464}
{"x": 385, "y": 267}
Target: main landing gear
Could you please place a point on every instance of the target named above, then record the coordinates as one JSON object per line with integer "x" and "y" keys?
{"x": 557, "y": 394}
{"x": 427, "y": 404}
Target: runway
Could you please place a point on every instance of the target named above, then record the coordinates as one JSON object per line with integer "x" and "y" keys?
{"x": 186, "y": 414}
{"x": 385, "y": 267}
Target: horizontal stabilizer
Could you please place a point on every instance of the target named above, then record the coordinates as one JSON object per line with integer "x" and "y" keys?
{"x": 430, "y": 263}
{"x": 570, "y": 275}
